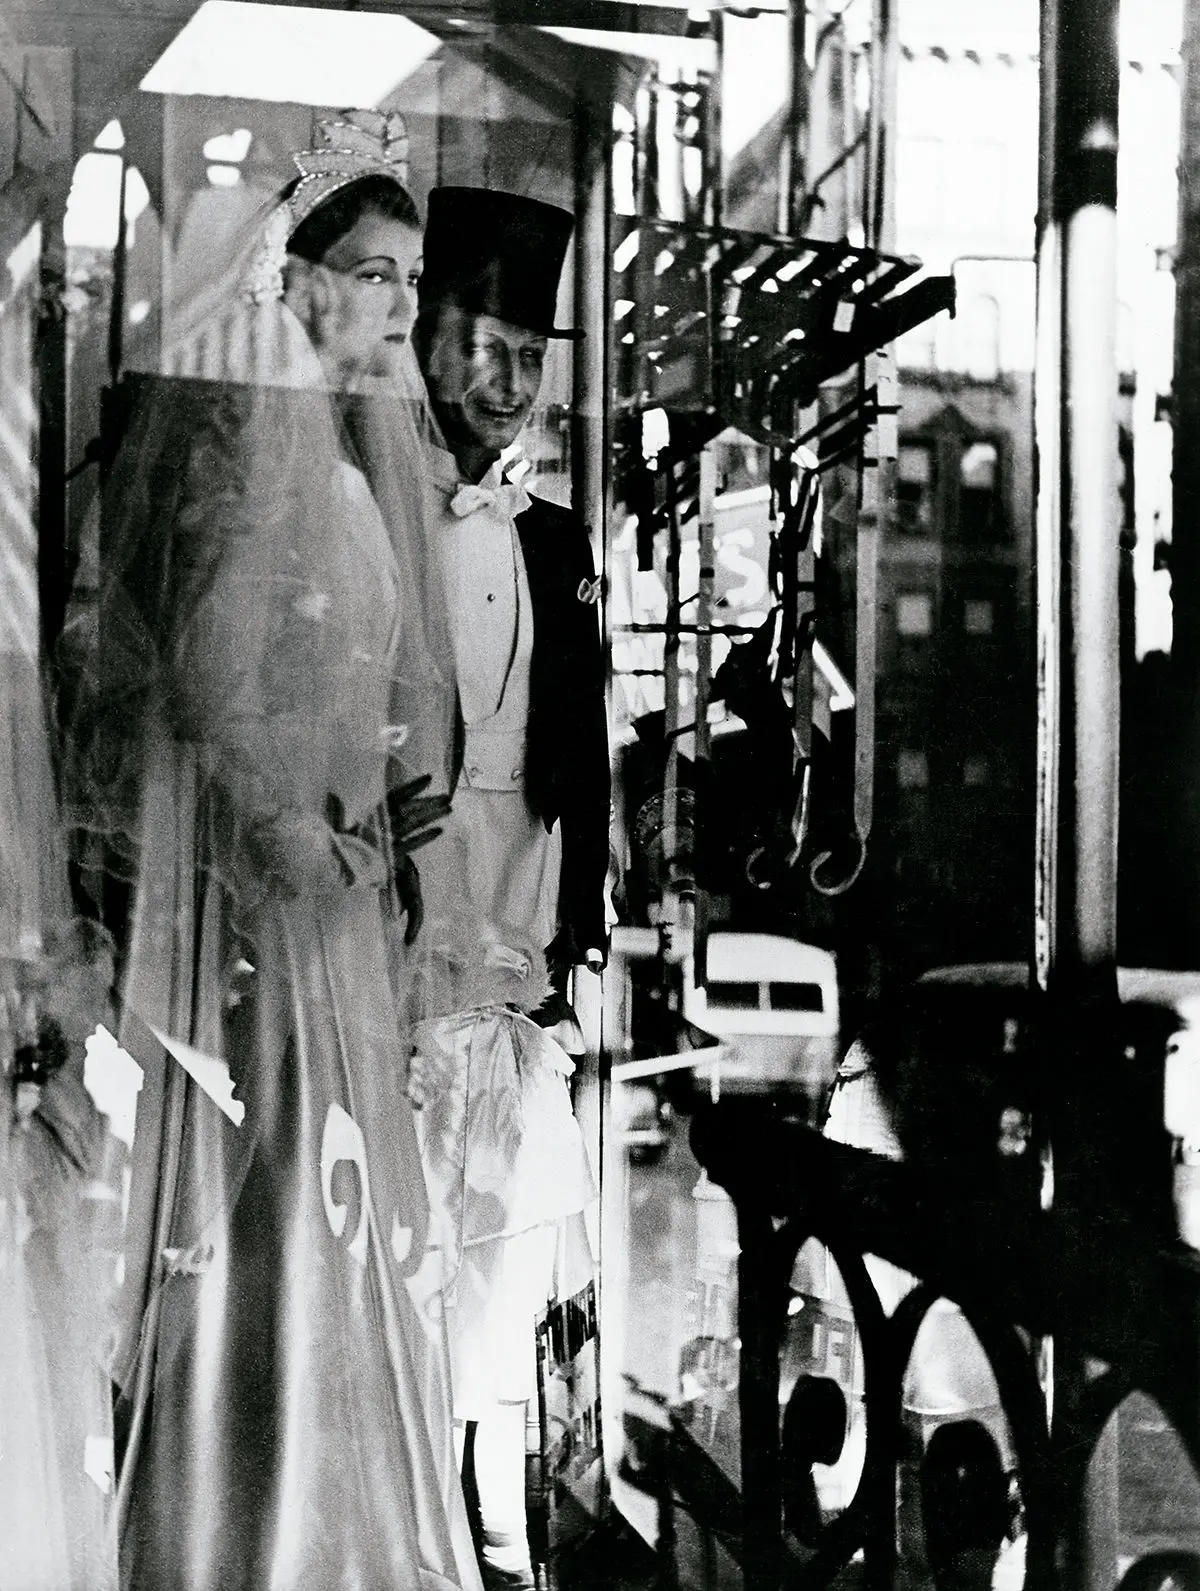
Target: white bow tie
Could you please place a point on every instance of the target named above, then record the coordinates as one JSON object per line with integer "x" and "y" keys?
{"x": 510, "y": 497}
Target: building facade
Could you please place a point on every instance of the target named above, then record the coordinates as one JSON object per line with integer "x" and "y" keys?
{"x": 956, "y": 748}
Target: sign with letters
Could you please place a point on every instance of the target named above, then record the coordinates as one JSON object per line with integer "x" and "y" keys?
{"x": 568, "y": 1488}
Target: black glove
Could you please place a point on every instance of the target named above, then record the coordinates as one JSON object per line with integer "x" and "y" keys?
{"x": 412, "y": 816}
{"x": 408, "y": 892}
{"x": 413, "y": 819}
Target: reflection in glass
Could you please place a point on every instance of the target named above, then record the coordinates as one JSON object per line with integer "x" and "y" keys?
{"x": 60, "y": 1164}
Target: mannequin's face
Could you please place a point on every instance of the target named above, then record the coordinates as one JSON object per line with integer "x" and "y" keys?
{"x": 362, "y": 297}
{"x": 484, "y": 376}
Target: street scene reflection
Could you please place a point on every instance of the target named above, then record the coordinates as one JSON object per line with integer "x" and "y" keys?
{"x": 599, "y": 981}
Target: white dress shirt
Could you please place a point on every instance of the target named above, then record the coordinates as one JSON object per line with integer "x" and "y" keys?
{"x": 493, "y": 848}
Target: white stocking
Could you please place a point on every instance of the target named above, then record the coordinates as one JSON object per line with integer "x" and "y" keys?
{"x": 500, "y": 1478}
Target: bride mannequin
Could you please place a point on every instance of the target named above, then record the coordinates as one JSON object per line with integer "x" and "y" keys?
{"x": 282, "y": 1418}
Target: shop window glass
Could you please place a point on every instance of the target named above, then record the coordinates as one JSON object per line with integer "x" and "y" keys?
{"x": 264, "y": 433}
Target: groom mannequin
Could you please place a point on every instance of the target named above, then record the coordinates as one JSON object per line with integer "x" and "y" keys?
{"x": 486, "y": 301}
{"x": 531, "y": 775}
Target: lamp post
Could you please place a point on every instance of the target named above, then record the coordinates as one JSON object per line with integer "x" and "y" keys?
{"x": 1077, "y": 564}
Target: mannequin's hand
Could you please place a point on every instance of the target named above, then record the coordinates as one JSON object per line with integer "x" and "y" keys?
{"x": 414, "y": 816}
{"x": 408, "y": 893}
{"x": 413, "y": 819}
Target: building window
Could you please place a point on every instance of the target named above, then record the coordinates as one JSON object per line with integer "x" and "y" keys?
{"x": 978, "y": 498}
{"x": 914, "y": 613}
{"x": 976, "y": 772}
{"x": 914, "y": 488}
{"x": 912, "y": 770}
{"x": 979, "y": 616}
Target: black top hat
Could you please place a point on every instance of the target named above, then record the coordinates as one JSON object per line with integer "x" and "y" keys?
{"x": 495, "y": 254}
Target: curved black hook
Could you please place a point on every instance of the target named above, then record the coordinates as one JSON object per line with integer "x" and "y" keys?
{"x": 841, "y": 885}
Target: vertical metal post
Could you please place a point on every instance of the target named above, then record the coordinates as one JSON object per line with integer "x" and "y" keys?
{"x": 879, "y": 206}
{"x": 590, "y": 453}
{"x": 705, "y": 512}
{"x": 877, "y": 480}
{"x": 1084, "y": 214}
{"x": 673, "y": 724}
{"x": 760, "y": 1311}
{"x": 589, "y": 415}
{"x": 1047, "y": 571}
{"x": 1078, "y": 706}
{"x": 714, "y": 149}
{"x": 1047, "y": 403}
{"x": 791, "y": 155}
{"x": 826, "y": 214}
{"x": 116, "y": 318}
{"x": 590, "y": 428}
{"x": 648, "y": 131}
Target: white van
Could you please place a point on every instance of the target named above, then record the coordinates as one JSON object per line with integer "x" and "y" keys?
{"x": 773, "y": 1003}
